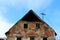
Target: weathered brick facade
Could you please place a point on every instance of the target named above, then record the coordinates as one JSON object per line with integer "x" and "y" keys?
{"x": 43, "y": 32}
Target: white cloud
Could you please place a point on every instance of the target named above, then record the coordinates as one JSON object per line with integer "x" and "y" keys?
{"x": 4, "y": 24}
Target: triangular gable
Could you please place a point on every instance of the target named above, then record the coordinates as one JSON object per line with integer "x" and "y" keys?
{"x": 31, "y": 17}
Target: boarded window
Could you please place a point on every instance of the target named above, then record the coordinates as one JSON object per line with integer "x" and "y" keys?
{"x": 19, "y": 38}
{"x": 32, "y": 38}
{"x": 25, "y": 26}
{"x": 45, "y": 38}
{"x": 37, "y": 25}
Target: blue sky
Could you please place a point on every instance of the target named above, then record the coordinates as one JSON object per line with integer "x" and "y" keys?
{"x": 13, "y": 10}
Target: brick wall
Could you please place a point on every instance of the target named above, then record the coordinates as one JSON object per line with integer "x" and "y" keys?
{"x": 18, "y": 31}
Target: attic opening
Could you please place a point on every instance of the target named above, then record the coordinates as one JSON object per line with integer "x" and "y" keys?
{"x": 19, "y": 38}
{"x": 25, "y": 26}
{"x": 45, "y": 38}
{"x": 32, "y": 38}
{"x": 37, "y": 25}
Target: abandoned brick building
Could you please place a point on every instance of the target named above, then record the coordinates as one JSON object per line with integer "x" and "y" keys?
{"x": 31, "y": 27}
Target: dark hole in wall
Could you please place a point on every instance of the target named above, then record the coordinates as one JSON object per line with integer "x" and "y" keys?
{"x": 19, "y": 38}
{"x": 45, "y": 38}
{"x": 25, "y": 26}
{"x": 32, "y": 38}
{"x": 37, "y": 25}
